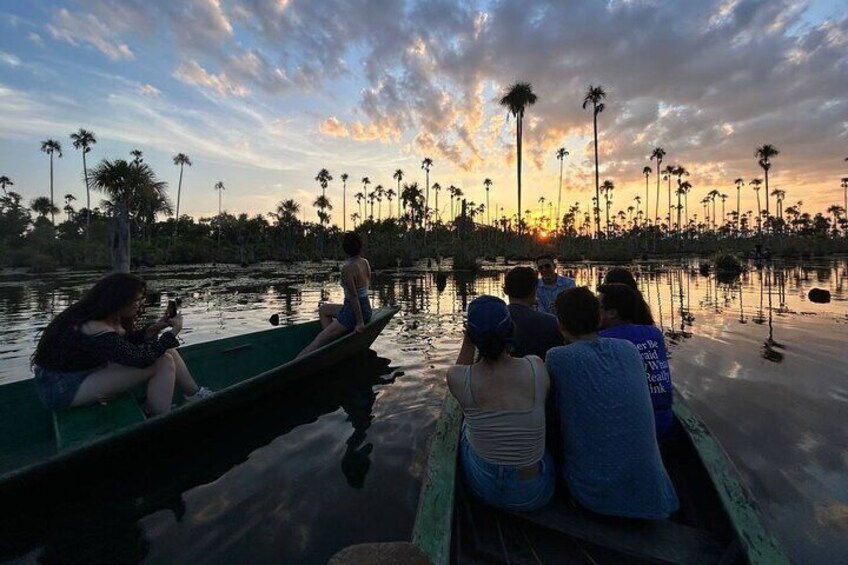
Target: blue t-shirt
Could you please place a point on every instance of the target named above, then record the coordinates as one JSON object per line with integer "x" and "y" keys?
{"x": 651, "y": 344}
{"x": 611, "y": 460}
{"x": 546, "y": 295}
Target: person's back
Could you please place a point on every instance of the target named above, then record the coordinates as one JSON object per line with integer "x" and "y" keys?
{"x": 611, "y": 461}
{"x": 535, "y": 332}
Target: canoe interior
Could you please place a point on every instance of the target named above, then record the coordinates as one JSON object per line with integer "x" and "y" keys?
{"x": 562, "y": 533}
{"x": 28, "y": 434}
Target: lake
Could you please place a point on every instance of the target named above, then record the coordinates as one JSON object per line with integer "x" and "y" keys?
{"x": 339, "y": 460}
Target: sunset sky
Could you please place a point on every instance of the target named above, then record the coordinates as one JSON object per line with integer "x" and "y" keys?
{"x": 261, "y": 94}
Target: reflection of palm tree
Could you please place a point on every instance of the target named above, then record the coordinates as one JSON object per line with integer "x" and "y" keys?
{"x": 51, "y": 146}
{"x": 756, "y": 184}
{"x": 595, "y": 96}
{"x": 517, "y": 98}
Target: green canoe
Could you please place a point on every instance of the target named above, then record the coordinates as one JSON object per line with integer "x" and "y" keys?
{"x": 718, "y": 521}
{"x": 45, "y": 454}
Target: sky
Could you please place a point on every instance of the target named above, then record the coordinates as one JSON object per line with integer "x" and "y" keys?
{"x": 262, "y": 94}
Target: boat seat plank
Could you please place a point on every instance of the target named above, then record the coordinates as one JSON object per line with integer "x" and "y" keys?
{"x": 77, "y": 426}
{"x": 658, "y": 541}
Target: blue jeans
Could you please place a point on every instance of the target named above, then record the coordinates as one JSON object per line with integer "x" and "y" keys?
{"x": 500, "y": 485}
{"x": 57, "y": 389}
{"x": 347, "y": 318}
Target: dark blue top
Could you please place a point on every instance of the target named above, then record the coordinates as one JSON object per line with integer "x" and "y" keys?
{"x": 611, "y": 460}
{"x": 535, "y": 332}
{"x": 651, "y": 345}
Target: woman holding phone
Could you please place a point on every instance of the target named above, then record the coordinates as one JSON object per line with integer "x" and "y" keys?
{"x": 91, "y": 351}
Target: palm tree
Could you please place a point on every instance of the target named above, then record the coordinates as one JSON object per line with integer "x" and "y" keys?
{"x": 359, "y": 197}
{"x": 42, "y": 206}
{"x": 378, "y": 194}
{"x": 844, "y": 189}
{"x": 69, "y": 210}
{"x": 323, "y": 177}
{"x": 594, "y": 96}
{"x": 487, "y": 184}
{"x": 182, "y": 160}
{"x": 757, "y": 183}
{"x": 137, "y": 156}
{"x": 541, "y": 206}
{"x": 4, "y": 182}
{"x": 398, "y": 176}
{"x": 354, "y": 217}
{"x": 646, "y": 170}
{"x": 607, "y": 188}
{"x": 638, "y": 200}
{"x": 712, "y": 195}
{"x": 560, "y": 155}
{"x": 83, "y": 140}
{"x": 437, "y": 188}
{"x": 685, "y": 188}
{"x": 427, "y": 164}
{"x": 723, "y": 213}
{"x": 51, "y": 146}
{"x": 764, "y": 155}
{"x": 668, "y": 172}
{"x": 517, "y": 97}
{"x": 219, "y": 186}
{"x": 390, "y": 195}
{"x": 739, "y": 183}
{"x": 658, "y": 153}
{"x": 344, "y": 178}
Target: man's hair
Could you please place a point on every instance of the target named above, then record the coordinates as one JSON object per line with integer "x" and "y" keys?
{"x": 352, "y": 243}
{"x": 545, "y": 256}
{"x": 520, "y": 282}
{"x": 623, "y": 299}
{"x": 578, "y": 311}
{"x": 621, "y": 275}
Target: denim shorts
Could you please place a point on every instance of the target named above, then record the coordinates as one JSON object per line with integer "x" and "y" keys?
{"x": 500, "y": 485}
{"x": 57, "y": 389}
{"x": 347, "y": 318}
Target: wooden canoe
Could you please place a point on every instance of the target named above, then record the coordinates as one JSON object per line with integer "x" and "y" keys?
{"x": 718, "y": 521}
{"x": 40, "y": 451}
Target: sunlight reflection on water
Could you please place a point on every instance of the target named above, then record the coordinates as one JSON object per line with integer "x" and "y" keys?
{"x": 762, "y": 365}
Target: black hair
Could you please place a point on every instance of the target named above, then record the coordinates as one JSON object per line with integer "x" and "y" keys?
{"x": 520, "y": 282}
{"x": 546, "y": 256}
{"x": 108, "y": 296}
{"x": 578, "y": 310}
{"x": 621, "y": 275}
{"x": 622, "y": 299}
{"x": 352, "y": 243}
{"x": 489, "y": 345}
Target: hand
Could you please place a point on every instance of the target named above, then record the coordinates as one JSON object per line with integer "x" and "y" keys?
{"x": 360, "y": 327}
{"x": 176, "y": 323}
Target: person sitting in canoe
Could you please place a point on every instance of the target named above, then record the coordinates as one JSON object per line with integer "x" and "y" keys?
{"x": 610, "y": 458}
{"x": 550, "y": 283}
{"x": 91, "y": 351}
{"x": 620, "y": 275}
{"x": 502, "y": 441}
{"x": 620, "y": 308}
{"x": 535, "y": 332}
{"x": 339, "y": 319}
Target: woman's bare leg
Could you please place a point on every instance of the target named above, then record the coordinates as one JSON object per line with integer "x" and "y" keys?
{"x": 331, "y": 333}
{"x": 326, "y": 313}
{"x": 115, "y": 379}
{"x": 185, "y": 382}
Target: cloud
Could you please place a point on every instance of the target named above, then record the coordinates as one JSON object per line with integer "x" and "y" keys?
{"x": 87, "y": 28}
{"x": 35, "y": 38}
{"x": 190, "y": 72}
{"x": 9, "y": 59}
{"x": 149, "y": 90}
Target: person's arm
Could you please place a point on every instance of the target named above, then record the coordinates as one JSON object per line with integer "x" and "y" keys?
{"x": 350, "y": 292}
{"x": 466, "y": 352}
{"x": 109, "y": 347}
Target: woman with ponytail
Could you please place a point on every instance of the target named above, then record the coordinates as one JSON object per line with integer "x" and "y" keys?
{"x": 91, "y": 351}
{"x": 502, "y": 443}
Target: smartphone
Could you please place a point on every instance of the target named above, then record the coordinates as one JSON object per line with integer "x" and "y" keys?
{"x": 173, "y": 308}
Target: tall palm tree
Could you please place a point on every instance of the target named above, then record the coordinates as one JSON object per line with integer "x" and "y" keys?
{"x": 560, "y": 155}
{"x": 365, "y": 182}
{"x": 542, "y": 206}
{"x": 182, "y": 160}
{"x": 646, "y": 170}
{"x": 658, "y": 153}
{"x": 219, "y": 186}
{"x": 638, "y": 200}
{"x": 437, "y": 188}
{"x": 487, "y": 184}
{"x": 668, "y": 172}
{"x": 426, "y": 165}
{"x": 607, "y": 188}
{"x": 323, "y": 177}
{"x": 594, "y": 96}
{"x": 137, "y": 156}
{"x": 757, "y": 183}
{"x": 344, "y": 177}
{"x": 516, "y": 99}
{"x": 723, "y": 197}
{"x": 398, "y": 176}
{"x": 685, "y": 188}
{"x": 83, "y": 140}
{"x": 739, "y": 183}
{"x": 359, "y": 197}
{"x": 764, "y": 154}
{"x": 390, "y": 195}
{"x": 51, "y": 146}
{"x": 378, "y": 194}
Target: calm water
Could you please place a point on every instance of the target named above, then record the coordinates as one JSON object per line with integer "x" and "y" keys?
{"x": 339, "y": 461}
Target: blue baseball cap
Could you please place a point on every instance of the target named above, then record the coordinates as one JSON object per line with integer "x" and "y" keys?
{"x": 489, "y": 314}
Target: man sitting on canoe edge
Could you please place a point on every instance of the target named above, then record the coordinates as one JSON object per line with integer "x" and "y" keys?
{"x": 340, "y": 319}
{"x": 91, "y": 351}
